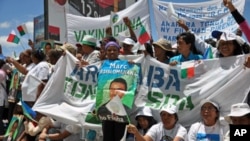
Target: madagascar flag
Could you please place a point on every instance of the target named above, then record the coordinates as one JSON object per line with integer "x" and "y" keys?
{"x": 143, "y": 36}
{"x": 187, "y": 69}
{"x": 13, "y": 38}
{"x": 22, "y": 29}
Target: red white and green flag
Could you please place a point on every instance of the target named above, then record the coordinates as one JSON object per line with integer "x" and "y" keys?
{"x": 143, "y": 36}
{"x": 22, "y": 29}
{"x": 13, "y": 38}
{"x": 187, "y": 69}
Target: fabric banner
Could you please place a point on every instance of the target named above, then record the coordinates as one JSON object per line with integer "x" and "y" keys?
{"x": 118, "y": 77}
{"x": 223, "y": 80}
{"x": 78, "y": 26}
{"x": 202, "y": 18}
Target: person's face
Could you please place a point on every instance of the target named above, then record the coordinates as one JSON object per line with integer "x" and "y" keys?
{"x": 182, "y": 46}
{"x": 47, "y": 48}
{"x": 86, "y": 49}
{"x": 209, "y": 113}
{"x": 243, "y": 120}
{"x": 143, "y": 122}
{"x": 168, "y": 120}
{"x": 117, "y": 88}
{"x": 226, "y": 48}
{"x": 112, "y": 52}
{"x": 158, "y": 51}
{"x": 26, "y": 59}
{"x": 127, "y": 49}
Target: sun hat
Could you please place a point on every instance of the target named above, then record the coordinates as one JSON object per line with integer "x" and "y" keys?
{"x": 128, "y": 41}
{"x": 89, "y": 40}
{"x": 170, "y": 108}
{"x": 144, "y": 111}
{"x": 164, "y": 44}
{"x": 237, "y": 110}
{"x": 112, "y": 43}
{"x": 209, "y": 101}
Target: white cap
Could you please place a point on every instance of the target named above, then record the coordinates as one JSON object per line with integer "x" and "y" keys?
{"x": 128, "y": 41}
{"x": 209, "y": 101}
{"x": 145, "y": 111}
{"x": 228, "y": 36}
{"x": 238, "y": 110}
{"x": 171, "y": 109}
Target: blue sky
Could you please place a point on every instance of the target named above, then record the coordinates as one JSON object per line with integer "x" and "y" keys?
{"x": 17, "y": 12}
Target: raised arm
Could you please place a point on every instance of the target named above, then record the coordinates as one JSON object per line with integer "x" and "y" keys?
{"x": 238, "y": 18}
{"x": 127, "y": 22}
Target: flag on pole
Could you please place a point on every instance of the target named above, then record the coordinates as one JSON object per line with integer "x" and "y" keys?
{"x": 27, "y": 111}
{"x": 13, "y": 38}
{"x": 22, "y": 29}
{"x": 143, "y": 35}
{"x": 187, "y": 69}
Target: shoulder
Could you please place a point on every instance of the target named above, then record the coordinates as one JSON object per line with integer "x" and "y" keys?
{"x": 175, "y": 58}
{"x": 196, "y": 125}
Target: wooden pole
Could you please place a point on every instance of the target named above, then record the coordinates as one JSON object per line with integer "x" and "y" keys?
{"x": 116, "y": 8}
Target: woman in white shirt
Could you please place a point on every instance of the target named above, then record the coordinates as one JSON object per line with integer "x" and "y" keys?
{"x": 167, "y": 130}
{"x": 209, "y": 128}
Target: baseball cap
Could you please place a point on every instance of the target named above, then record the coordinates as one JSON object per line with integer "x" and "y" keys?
{"x": 237, "y": 110}
{"x": 209, "y": 101}
{"x": 128, "y": 41}
{"x": 170, "y": 108}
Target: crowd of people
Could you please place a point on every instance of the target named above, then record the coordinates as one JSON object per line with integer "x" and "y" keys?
{"x": 40, "y": 63}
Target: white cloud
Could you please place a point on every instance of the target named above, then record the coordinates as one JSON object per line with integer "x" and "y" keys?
{"x": 5, "y": 25}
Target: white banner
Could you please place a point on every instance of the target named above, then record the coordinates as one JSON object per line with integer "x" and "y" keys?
{"x": 78, "y": 26}
{"x": 202, "y": 18}
{"x": 222, "y": 80}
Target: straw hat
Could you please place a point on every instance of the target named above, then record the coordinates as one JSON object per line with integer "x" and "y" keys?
{"x": 164, "y": 44}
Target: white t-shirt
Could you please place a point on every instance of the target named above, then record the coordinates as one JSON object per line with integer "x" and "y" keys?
{"x": 92, "y": 57}
{"x": 157, "y": 132}
{"x": 200, "y": 132}
{"x": 29, "y": 85}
